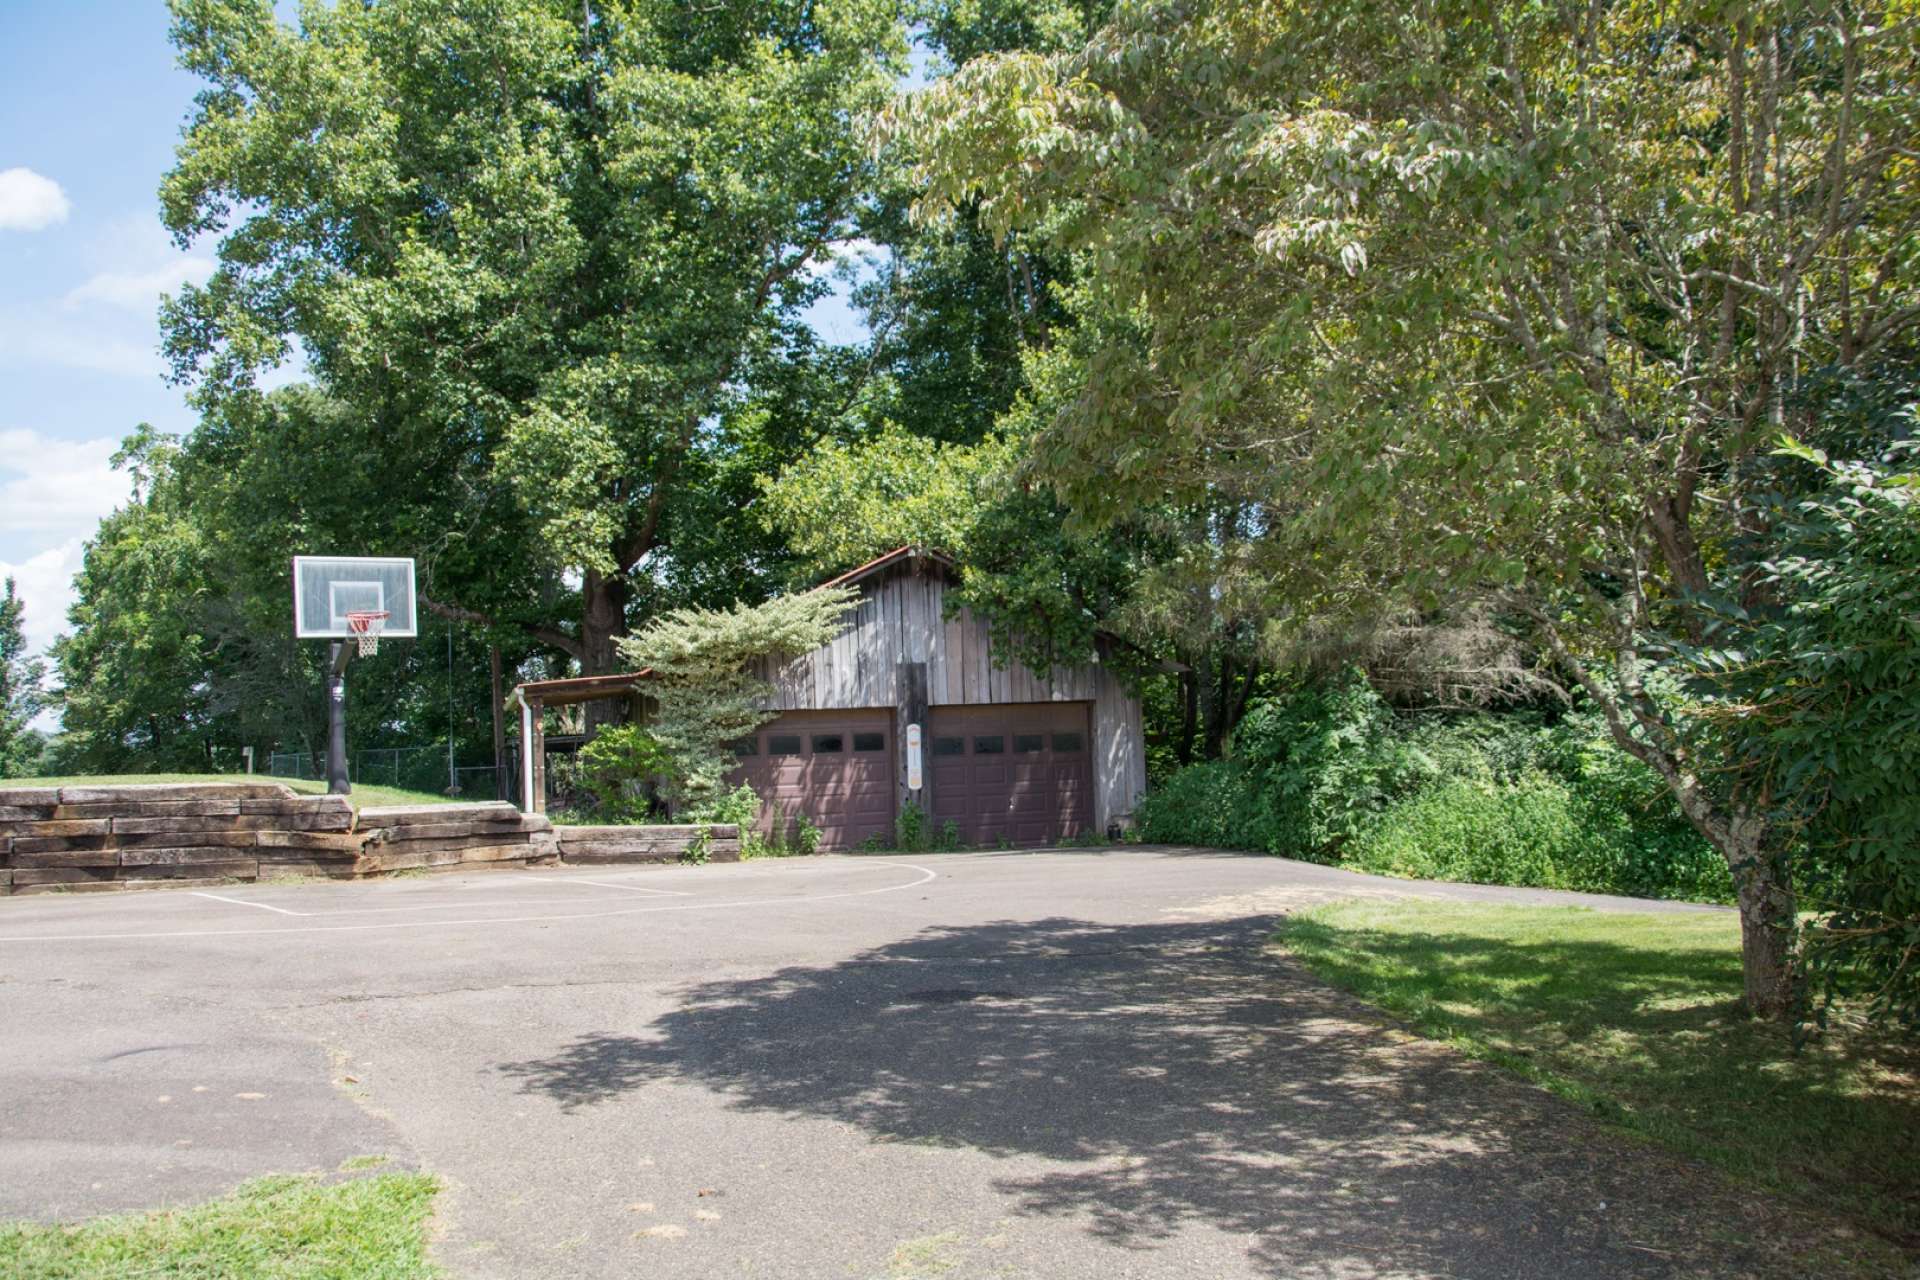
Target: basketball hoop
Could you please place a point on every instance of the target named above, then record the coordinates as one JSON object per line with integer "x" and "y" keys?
{"x": 366, "y": 625}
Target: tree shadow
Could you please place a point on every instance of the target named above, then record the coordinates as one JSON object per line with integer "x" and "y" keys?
{"x": 1180, "y": 1075}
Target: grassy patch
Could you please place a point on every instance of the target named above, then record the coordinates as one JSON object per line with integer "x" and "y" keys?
{"x": 1634, "y": 1016}
{"x": 363, "y": 794}
{"x": 280, "y": 1228}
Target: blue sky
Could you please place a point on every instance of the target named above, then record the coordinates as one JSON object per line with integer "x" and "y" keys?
{"x": 91, "y": 108}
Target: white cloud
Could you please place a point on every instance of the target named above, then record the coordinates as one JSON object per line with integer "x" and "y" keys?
{"x": 52, "y": 496}
{"x": 139, "y": 291}
{"x": 45, "y": 583}
{"x": 30, "y": 202}
{"x": 57, "y": 489}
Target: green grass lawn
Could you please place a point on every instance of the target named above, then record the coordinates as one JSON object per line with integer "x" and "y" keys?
{"x": 280, "y": 1228}
{"x": 1634, "y": 1016}
{"x": 363, "y": 794}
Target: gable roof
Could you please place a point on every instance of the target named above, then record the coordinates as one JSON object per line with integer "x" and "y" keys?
{"x": 896, "y": 556}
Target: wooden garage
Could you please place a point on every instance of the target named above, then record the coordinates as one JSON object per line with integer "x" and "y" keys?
{"x": 836, "y": 767}
{"x": 1010, "y": 756}
{"x": 1019, "y": 773}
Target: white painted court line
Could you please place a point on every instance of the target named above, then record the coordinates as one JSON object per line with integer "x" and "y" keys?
{"x": 242, "y": 903}
{"x": 925, "y": 877}
{"x": 630, "y": 888}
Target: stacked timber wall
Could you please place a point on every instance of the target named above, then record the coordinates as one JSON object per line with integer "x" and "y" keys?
{"x": 55, "y": 839}
{"x": 646, "y": 844}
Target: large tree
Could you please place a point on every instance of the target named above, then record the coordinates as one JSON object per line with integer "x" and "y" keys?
{"x": 1476, "y": 302}
{"x": 543, "y": 244}
{"x": 22, "y": 681}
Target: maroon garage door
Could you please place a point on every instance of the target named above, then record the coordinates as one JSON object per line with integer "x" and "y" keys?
{"x": 1020, "y": 774}
{"x": 836, "y": 767}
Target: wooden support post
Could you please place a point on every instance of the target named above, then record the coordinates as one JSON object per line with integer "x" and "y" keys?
{"x": 500, "y": 791}
{"x": 909, "y": 710}
{"x": 538, "y": 746}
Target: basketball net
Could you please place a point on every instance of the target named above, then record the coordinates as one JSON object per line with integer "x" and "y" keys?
{"x": 366, "y": 625}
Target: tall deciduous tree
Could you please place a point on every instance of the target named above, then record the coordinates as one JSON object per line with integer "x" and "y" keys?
{"x": 544, "y": 240}
{"x": 22, "y": 681}
{"x": 1474, "y": 300}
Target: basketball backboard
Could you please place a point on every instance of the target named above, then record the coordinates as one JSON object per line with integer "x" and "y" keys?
{"x": 327, "y": 588}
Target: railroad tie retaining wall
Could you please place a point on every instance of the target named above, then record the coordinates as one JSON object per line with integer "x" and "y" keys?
{"x": 87, "y": 838}
{"x": 645, "y": 844}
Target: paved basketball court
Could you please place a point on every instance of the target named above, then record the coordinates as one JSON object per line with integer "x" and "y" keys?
{"x": 1050, "y": 1065}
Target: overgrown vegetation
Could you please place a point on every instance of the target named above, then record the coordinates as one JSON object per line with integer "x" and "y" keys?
{"x": 278, "y": 1228}
{"x": 1637, "y": 1018}
{"x": 1331, "y": 773}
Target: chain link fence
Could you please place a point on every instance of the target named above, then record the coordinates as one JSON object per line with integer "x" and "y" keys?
{"x": 422, "y": 768}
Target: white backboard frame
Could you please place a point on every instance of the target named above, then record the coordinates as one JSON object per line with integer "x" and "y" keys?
{"x": 392, "y": 590}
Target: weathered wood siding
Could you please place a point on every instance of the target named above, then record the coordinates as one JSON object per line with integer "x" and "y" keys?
{"x": 901, "y": 619}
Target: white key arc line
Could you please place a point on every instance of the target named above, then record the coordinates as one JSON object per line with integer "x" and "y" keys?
{"x": 925, "y": 877}
{"x": 242, "y": 902}
{"x": 630, "y": 888}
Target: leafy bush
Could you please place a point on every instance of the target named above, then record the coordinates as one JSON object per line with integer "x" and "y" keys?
{"x": 1304, "y": 774}
{"x": 1332, "y": 774}
{"x": 613, "y": 770}
{"x": 739, "y": 807}
{"x": 1521, "y": 833}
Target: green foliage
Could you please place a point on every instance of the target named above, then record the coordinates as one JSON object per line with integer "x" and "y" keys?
{"x": 795, "y": 836}
{"x": 705, "y": 689}
{"x": 133, "y": 693}
{"x": 560, "y": 251}
{"x": 1824, "y": 688}
{"x": 848, "y": 502}
{"x": 1329, "y": 773}
{"x": 910, "y": 833}
{"x": 1491, "y": 304}
{"x": 614, "y": 768}
{"x": 21, "y": 687}
{"x": 739, "y": 807}
{"x": 1537, "y": 830}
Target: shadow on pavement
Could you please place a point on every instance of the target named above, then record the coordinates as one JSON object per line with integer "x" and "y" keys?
{"x": 1178, "y": 1076}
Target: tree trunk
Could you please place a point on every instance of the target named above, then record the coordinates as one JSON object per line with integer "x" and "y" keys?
{"x": 1219, "y": 705}
{"x": 603, "y": 622}
{"x": 1765, "y": 896}
{"x": 1189, "y": 717}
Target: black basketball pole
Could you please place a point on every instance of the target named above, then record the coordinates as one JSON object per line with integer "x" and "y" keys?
{"x": 337, "y": 783}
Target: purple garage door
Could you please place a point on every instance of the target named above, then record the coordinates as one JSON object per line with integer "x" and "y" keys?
{"x": 836, "y": 767}
{"x": 1020, "y": 774}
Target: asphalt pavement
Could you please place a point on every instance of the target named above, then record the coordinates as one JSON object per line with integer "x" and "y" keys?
{"x": 1058, "y": 1064}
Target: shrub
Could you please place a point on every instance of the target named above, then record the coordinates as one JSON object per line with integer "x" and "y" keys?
{"x": 1522, "y": 833}
{"x": 1332, "y": 774}
{"x": 612, "y": 771}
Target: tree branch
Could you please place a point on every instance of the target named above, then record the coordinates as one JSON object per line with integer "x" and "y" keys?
{"x": 569, "y": 645}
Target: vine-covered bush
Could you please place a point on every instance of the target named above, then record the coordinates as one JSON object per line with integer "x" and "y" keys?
{"x": 1332, "y": 774}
